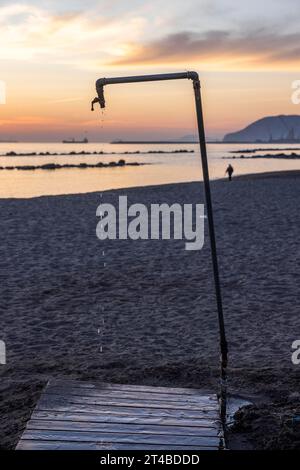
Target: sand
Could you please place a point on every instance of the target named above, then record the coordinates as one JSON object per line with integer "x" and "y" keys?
{"x": 144, "y": 312}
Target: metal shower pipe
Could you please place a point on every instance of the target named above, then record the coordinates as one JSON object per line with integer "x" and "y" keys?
{"x": 100, "y": 83}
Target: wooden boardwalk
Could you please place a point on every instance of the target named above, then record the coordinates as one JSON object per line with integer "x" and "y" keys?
{"x": 99, "y": 416}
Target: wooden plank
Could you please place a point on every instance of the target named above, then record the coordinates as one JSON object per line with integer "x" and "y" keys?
{"x": 123, "y": 428}
{"x": 152, "y": 439}
{"x": 27, "y": 444}
{"x": 56, "y": 403}
{"x": 115, "y": 388}
{"x": 127, "y": 402}
{"x": 97, "y": 416}
{"x": 132, "y": 395}
{"x": 126, "y": 419}
{"x": 112, "y": 386}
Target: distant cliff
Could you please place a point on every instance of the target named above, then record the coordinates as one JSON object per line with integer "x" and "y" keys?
{"x": 269, "y": 129}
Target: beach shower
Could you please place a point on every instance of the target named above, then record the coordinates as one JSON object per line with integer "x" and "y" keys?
{"x": 100, "y": 83}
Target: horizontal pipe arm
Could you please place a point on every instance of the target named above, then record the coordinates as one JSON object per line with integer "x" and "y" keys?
{"x": 147, "y": 78}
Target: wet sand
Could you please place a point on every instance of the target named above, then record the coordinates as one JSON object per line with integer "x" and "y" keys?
{"x": 144, "y": 312}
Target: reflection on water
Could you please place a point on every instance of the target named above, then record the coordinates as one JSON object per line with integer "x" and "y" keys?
{"x": 162, "y": 168}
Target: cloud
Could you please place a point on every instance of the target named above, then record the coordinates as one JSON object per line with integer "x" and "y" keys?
{"x": 81, "y": 38}
{"x": 28, "y": 121}
{"x": 256, "y": 48}
{"x": 88, "y": 39}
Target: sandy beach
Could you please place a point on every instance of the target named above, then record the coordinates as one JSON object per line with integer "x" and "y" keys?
{"x": 144, "y": 311}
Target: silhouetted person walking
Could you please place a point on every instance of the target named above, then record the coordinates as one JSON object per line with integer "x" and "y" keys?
{"x": 229, "y": 170}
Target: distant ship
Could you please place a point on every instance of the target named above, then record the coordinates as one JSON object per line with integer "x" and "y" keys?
{"x": 73, "y": 141}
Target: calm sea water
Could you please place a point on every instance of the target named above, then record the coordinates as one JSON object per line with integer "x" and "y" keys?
{"x": 163, "y": 168}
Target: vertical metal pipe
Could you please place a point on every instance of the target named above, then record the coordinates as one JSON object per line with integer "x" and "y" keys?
{"x": 223, "y": 342}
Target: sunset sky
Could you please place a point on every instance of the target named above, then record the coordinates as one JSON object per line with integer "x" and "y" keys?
{"x": 51, "y": 52}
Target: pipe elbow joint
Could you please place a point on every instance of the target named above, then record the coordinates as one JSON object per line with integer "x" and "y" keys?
{"x": 100, "y": 83}
{"x": 193, "y": 76}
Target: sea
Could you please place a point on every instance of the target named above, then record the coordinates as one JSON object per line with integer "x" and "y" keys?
{"x": 165, "y": 166}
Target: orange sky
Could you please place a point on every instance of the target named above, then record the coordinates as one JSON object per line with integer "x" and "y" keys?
{"x": 52, "y": 57}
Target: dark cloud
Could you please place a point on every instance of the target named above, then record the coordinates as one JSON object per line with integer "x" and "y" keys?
{"x": 256, "y": 47}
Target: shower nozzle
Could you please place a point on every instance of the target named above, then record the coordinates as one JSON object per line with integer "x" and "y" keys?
{"x": 100, "y": 98}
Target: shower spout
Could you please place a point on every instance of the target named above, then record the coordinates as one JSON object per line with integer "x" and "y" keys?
{"x": 100, "y": 98}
